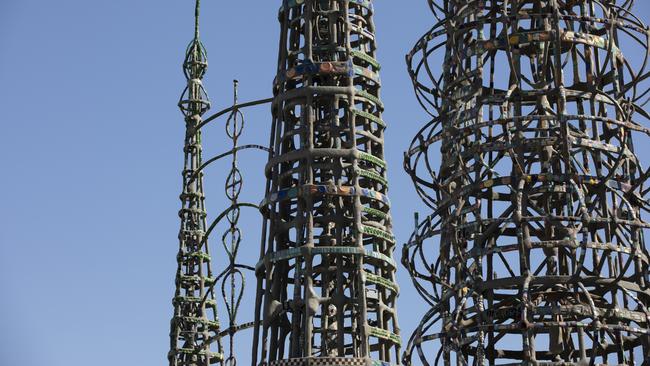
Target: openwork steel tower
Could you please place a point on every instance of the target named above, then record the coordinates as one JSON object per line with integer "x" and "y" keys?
{"x": 326, "y": 277}
{"x": 538, "y": 194}
{"x": 194, "y": 332}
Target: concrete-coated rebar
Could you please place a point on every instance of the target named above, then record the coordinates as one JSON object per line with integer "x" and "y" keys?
{"x": 534, "y": 253}
{"x": 195, "y": 326}
{"x": 326, "y": 291}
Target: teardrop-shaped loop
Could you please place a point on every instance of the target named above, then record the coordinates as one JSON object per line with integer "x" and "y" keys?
{"x": 232, "y": 291}
{"x": 233, "y": 215}
{"x": 230, "y": 240}
{"x": 235, "y": 124}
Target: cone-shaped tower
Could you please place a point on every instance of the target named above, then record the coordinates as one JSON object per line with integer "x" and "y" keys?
{"x": 327, "y": 285}
{"x": 539, "y": 195}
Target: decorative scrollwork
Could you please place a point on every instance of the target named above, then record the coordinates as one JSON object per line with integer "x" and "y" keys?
{"x": 233, "y": 282}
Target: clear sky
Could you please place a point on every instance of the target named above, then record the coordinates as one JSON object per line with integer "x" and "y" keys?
{"x": 91, "y": 154}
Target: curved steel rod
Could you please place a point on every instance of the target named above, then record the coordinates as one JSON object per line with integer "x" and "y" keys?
{"x": 223, "y": 214}
{"x": 231, "y": 108}
{"x": 227, "y": 153}
{"x": 209, "y": 231}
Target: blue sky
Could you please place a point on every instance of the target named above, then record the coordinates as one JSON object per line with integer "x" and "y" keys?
{"x": 91, "y": 153}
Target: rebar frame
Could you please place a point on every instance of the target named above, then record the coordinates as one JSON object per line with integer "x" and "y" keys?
{"x": 232, "y": 279}
{"x": 195, "y": 325}
{"x": 326, "y": 282}
{"x": 194, "y": 250}
{"x": 538, "y": 199}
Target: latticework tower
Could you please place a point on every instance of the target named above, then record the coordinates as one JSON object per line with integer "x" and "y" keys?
{"x": 539, "y": 195}
{"x": 195, "y": 325}
{"x": 327, "y": 286}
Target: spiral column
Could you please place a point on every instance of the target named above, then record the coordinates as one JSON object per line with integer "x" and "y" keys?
{"x": 534, "y": 253}
{"x": 326, "y": 277}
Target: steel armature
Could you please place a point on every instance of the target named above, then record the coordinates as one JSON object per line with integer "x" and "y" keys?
{"x": 195, "y": 324}
{"x": 196, "y": 335}
{"x": 534, "y": 250}
{"x": 232, "y": 280}
{"x": 326, "y": 277}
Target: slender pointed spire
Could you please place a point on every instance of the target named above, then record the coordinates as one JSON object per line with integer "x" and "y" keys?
{"x": 195, "y": 326}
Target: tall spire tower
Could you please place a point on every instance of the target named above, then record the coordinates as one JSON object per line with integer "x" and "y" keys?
{"x": 327, "y": 277}
{"x": 535, "y": 251}
{"x": 195, "y": 326}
